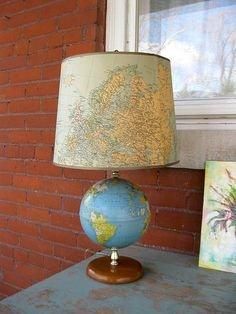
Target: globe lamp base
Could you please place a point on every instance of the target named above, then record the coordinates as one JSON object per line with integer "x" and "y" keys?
{"x": 127, "y": 270}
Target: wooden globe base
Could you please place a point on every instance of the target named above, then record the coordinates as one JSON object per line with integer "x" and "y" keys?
{"x": 127, "y": 270}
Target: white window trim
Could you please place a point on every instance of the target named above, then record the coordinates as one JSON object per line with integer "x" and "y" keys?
{"x": 122, "y": 35}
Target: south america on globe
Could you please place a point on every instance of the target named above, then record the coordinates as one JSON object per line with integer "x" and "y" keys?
{"x": 114, "y": 213}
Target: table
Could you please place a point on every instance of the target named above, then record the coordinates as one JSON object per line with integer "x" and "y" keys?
{"x": 172, "y": 283}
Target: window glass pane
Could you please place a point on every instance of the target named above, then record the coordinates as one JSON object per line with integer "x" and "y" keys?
{"x": 199, "y": 37}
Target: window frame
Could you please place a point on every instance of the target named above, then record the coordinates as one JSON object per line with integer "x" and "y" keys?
{"x": 122, "y": 35}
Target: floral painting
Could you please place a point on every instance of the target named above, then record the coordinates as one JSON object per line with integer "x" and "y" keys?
{"x": 218, "y": 235}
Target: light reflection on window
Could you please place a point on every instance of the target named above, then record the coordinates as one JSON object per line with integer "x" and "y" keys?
{"x": 199, "y": 37}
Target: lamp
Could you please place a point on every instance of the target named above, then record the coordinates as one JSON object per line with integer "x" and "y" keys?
{"x": 115, "y": 112}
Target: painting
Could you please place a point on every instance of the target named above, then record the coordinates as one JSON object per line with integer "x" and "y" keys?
{"x": 218, "y": 234}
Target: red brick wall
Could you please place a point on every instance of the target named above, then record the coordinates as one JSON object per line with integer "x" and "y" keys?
{"x": 40, "y": 233}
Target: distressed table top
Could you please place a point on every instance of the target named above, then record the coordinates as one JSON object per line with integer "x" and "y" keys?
{"x": 172, "y": 283}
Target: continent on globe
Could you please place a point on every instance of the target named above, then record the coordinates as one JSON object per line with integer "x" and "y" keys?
{"x": 103, "y": 229}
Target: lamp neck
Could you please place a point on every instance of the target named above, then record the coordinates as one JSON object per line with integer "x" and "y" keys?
{"x": 115, "y": 174}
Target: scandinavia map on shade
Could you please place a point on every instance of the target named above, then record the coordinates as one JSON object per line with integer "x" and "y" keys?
{"x": 115, "y": 110}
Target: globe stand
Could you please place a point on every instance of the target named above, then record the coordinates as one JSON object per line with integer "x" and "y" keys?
{"x": 102, "y": 220}
{"x": 115, "y": 269}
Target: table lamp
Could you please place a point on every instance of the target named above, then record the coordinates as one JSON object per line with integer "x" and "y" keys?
{"x": 115, "y": 111}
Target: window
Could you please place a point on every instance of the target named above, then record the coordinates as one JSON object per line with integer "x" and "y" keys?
{"x": 199, "y": 37}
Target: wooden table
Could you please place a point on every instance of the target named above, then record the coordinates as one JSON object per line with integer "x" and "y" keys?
{"x": 172, "y": 283}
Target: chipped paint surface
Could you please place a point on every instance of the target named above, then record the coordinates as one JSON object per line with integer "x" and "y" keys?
{"x": 172, "y": 284}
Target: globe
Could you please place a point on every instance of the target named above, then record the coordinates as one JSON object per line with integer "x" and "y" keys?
{"x": 114, "y": 213}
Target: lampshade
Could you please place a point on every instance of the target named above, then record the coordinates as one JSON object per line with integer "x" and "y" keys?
{"x": 115, "y": 111}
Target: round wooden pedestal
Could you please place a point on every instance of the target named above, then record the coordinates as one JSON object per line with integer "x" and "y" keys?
{"x": 127, "y": 270}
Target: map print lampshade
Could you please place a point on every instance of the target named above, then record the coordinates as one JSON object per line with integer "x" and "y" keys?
{"x": 115, "y": 111}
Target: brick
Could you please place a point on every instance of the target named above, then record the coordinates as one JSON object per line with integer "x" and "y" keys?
{"x": 26, "y": 75}
{"x": 11, "y": 8}
{"x": 42, "y": 88}
{"x": 34, "y": 4}
{"x": 36, "y": 245}
{"x": 40, "y": 121}
{"x": 8, "y": 289}
{"x": 29, "y": 137}
{"x": 9, "y": 36}
{"x": 178, "y": 220}
{"x": 72, "y": 21}
{"x": 58, "y": 235}
{"x": 87, "y": 5}
{"x": 5, "y": 179}
{"x": 84, "y": 33}
{"x": 44, "y": 200}
{"x": 70, "y": 204}
{"x": 141, "y": 177}
{"x": 51, "y": 72}
{"x": 36, "y": 259}
{"x": 12, "y": 151}
{"x": 6, "y": 51}
{"x": 153, "y": 215}
{"x": 12, "y": 92}
{"x": 11, "y": 122}
{"x": 3, "y": 107}
{"x": 161, "y": 238}
{"x": 22, "y": 47}
{"x": 12, "y": 165}
{"x": 85, "y": 243}
{"x": 42, "y": 168}
{"x": 20, "y": 226}
{"x": 195, "y": 201}
{"x": 35, "y": 214}
{"x": 83, "y": 47}
{"x": 60, "y": 8}
{"x": 27, "y": 182}
{"x": 24, "y": 18}
{"x": 70, "y": 254}
{"x": 6, "y": 263}
{"x": 3, "y": 221}
{"x": 23, "y": 106}
{"x": 4, "y": 77}
{"x": 7, "y": 237}
{"x": 6, "y": 250}
{"x": 41, "y": 28}
{"x": 186, "y": 178}
{"x": 19, "y": 280}
{"x": 16, "y": 151}
{"x": 66, "y": 264}
{"x": 8, "y": 208}
{"x": 27, "y": 152}
{"x": 13, "y": 195}
{"x": 43, "y": 153}
{"x": 33, "y": 272}
{"x": 2, "y": 150}
{"x": 12, "y": 62}
{"x": 53, "y": 40}
{"x": 4, "y": 22}
{"x": 52, "y": 263}
{"x": 47, "y": 185}
{"x": 166, "y": 197}
{"x": 70, "y": 222}
{"x": 20, "y": 255}
{"x": 49, "y": 105}
{"x": 46, "y": 56}
{"x": 84, "y": 174}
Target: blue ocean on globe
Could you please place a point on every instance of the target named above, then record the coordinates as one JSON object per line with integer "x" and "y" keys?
{"x": 114, "y": 213}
